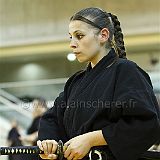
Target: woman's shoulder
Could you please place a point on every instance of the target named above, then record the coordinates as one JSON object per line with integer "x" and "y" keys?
{"x": 126, "y": 63}
{"x": 131, "y": 68}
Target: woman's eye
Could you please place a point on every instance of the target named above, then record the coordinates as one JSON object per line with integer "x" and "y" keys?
{"x": 80, "y": 36}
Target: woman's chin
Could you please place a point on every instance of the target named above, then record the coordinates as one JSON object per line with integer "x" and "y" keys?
{"x": 81, "y": 60}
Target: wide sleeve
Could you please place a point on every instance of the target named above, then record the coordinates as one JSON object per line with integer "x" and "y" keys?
{"x": 138, "y": 125}
{"x": 51, "y": 123}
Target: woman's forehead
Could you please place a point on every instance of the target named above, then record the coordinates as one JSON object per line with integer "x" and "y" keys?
{"x": 78, "y": 25}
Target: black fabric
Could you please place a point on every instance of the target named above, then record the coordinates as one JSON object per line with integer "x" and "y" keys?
{"x": 116, "y": 96}
{"x": 34, "y": 126}
{"x": 13, "y": 137}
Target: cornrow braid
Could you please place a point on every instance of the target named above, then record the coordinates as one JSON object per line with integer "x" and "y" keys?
{"x": 118, "y": 36}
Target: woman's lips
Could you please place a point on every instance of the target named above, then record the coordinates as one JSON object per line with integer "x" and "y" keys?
{"x": 76, "y": 53}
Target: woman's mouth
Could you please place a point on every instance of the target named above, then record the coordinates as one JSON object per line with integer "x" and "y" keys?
{"x": 76, "y": 53}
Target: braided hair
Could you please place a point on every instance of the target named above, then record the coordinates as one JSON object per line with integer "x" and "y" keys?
{"x": 100, "y": 19}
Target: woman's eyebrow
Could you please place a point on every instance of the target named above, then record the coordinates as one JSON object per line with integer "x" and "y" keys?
{"x": 75, "y": 32}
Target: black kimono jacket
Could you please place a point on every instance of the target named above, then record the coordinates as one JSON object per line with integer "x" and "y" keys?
{"x": 116, "y": 97}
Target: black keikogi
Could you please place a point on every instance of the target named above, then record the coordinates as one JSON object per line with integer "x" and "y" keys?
{"x": 116, "y": 96}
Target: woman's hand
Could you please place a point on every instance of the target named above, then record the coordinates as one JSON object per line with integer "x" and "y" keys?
{"x": 77, "y": 147}
{"x": 49, "y": 147}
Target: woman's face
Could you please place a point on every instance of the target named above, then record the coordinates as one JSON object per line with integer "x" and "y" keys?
{"x": 84, "y": 41}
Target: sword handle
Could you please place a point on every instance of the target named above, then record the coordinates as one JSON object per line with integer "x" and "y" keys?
{"x": 30, "y": 150}
{"x": 20, "y": 150}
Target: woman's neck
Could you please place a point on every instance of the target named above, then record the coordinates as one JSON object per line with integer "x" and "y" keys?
{"x": 99, "y": 56}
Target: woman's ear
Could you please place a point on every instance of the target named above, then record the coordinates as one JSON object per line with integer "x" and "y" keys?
{"x": 104, "y": 35}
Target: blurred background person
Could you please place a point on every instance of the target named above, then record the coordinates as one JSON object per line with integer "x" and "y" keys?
{"x": 39, "y": 107}
{"x": 13, "y": 139}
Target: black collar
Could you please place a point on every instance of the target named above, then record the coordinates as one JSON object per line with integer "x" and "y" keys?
{"x": 105, "y": 62}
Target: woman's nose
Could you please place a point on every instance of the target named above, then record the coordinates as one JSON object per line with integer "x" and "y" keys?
{"x": 73, "y": 44}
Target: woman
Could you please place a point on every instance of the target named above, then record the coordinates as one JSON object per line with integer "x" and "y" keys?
{"x": 110, "y": 105}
